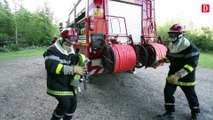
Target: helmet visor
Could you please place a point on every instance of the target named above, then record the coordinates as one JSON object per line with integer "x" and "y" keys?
{"x": 173, "y": 35}
{"x": 72, "y": 39}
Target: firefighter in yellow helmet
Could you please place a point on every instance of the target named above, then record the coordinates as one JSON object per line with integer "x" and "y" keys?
{"x": 61, "y": 65}
{"x": 98, "y": 11}
{"x": 183, "y": 57}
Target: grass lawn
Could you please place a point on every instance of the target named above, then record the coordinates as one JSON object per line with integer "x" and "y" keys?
{"x": 23, "y": 53}
{"x": 206, "y": 60}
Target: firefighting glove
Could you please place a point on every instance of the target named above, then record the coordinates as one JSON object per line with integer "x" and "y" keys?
{"x": 79, "y": 70}
{"x": 172, "y": 79}
{"x": 155, "y": 64}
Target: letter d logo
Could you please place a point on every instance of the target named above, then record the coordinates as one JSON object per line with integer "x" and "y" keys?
{"x": 205, "y": 8}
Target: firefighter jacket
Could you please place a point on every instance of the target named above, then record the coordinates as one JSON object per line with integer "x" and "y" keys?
{"x": 183, "y": 61}
{"x": 59, "y": 66}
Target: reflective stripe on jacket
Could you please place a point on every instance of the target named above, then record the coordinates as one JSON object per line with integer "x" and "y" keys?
{"x": 186, "y": 60}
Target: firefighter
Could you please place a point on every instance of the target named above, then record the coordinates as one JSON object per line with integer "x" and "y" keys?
{"x": 98, "y": 11}
{"x": 183, "y": 57}
{"x": 60, "y": 64}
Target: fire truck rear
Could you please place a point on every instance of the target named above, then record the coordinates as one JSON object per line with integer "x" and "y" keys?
{"x": 116, "y": 35}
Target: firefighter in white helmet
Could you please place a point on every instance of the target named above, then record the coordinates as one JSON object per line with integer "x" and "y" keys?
{"x": 60, "y": 64}
{"x": 183, "y": 57}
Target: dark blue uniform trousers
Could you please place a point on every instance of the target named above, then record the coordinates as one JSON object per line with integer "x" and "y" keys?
{"x": 189, "y": 92}
{"x": 65, "y": 108}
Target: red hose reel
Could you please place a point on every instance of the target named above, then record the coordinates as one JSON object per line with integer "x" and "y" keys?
{"x": 118, "y": 58}
{"x": 121, "y": 58}
{"x": 155, "y": 52}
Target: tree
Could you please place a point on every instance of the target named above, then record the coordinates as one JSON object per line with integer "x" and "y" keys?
{"x": 34, "y": 28}
{"x": 6, "y": 23}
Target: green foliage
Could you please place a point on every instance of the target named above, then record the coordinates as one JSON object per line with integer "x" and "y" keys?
{"x": 13, "y": 47}
{"x": 5, "y": 38}
{"x": 32, "y": 28}
{"x": 6, "y": 24}
{"x": 162, "y": 31}
{"x": 36, "y": 28}
{"x": 201, "y": 37}
{"x": 4, "y": 49}
{"x": 10, "y": 48}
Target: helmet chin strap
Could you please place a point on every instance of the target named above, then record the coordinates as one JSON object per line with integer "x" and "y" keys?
{"x": 176, "y": 39}
{"x": 61, "y": 41}
{"x": 67, "y": 48}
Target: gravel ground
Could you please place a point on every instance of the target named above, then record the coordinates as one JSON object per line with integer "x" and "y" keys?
{"x": 122, "y": 96}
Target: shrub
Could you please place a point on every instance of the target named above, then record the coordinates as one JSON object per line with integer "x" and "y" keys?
{"x": 202, "y": 37}
{"x": 13, "y": 47}
{"x": 4, "y": 49}
{"x": 8, "y": 48}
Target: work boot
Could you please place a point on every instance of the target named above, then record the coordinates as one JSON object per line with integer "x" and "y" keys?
{"x": 195, "y": 116}
{"x": 167, "y": 116}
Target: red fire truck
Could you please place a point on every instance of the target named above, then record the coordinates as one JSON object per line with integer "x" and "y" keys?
{"x": 116, "y": 35}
